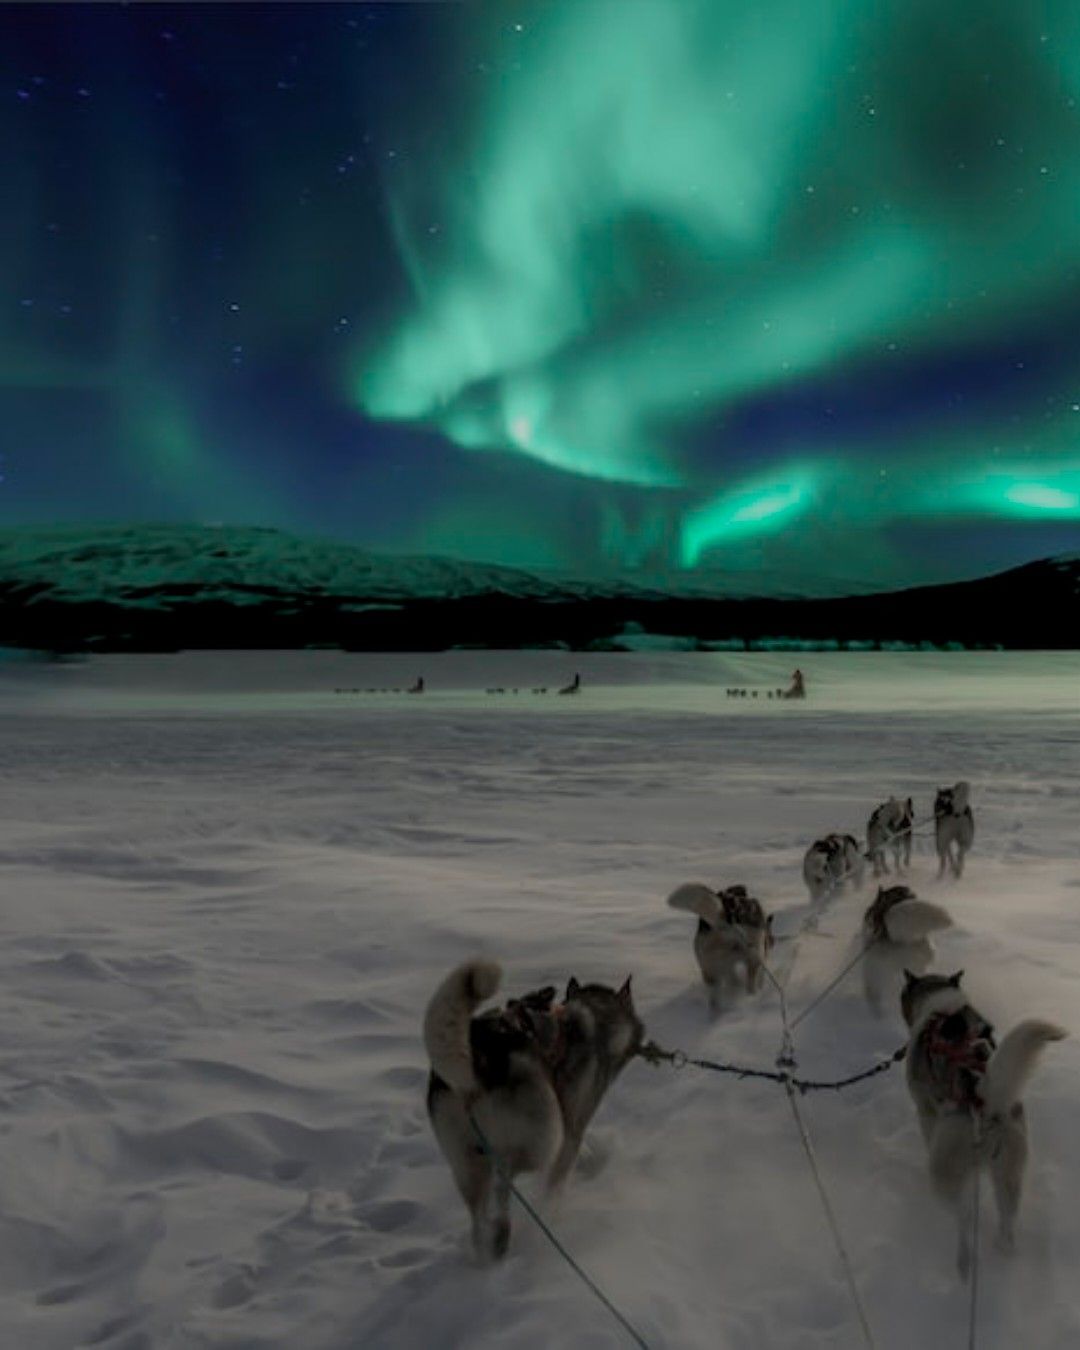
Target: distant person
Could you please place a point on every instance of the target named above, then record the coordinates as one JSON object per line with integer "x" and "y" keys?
{"x": 798, "y": 687}
{"x": 573, "y": 687}
{"x": 418, "y": 687}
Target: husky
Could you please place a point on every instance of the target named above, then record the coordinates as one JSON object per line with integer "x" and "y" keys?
{"x": 954, "y": 825}
{"x": 966, "y": 1090}
{"x": 890, "y": 826}
{"x": 513, "y": 1089}
{"x": 831, "y": 861}
{"x": 896, "y": 931}
{"x": 733, "y": 930}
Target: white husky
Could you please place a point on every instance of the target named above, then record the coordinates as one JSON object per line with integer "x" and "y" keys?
{"x": 954, "y": 827}
{"x": 896, "y": 931}
{"x": 967, "y": 1095}
{"x": 889, "y": 826}
{"x": 829, "y": 862}
{"x": 733, "y": 932}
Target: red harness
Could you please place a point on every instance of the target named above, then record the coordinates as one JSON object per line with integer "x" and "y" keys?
{"x": 958, "y": 1064}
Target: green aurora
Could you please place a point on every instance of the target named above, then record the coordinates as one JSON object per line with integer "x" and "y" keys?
{"x": 659, "y": 211}
{"x": 784, "y": 293}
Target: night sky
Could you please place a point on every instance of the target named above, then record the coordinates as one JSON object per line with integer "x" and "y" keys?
{"x": 787, "y": 289}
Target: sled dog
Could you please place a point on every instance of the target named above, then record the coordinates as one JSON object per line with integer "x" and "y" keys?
{"x": 513, "y": 1089}
{"x": 954, "y": 827}
{"x": 896, "y": 931}
{"x": 733, "y": 931}
{"x": 889, "y": 827}
{"x": 966, "y": 1090}
{"x": 831, "y": 861}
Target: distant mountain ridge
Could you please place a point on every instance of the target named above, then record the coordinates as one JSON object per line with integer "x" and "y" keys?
{"x": 131, "y": 562}
{"x": 154, "y": 587}
{"x": 87, "y": 562}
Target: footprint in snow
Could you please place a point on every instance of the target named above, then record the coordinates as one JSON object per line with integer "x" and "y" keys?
{"x": 289, "y": 1169}
{"x": 386, "y": 1216}
{"x": 406, "y": 1258}
{"x": 234, "y": 1292}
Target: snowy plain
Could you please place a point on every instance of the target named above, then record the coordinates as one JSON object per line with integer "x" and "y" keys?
{"x": 229, "y": 891}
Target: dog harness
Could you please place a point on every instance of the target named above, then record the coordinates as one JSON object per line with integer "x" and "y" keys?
{"x": 958, "y": 1054}
{"x": 545, "y": 1027}
{"x": 949, "y": 810}
{"x": 902, "y": 827}
{"x": 741, "y": 908}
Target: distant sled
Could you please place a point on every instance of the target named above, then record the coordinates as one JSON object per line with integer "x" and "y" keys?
{"x": 573, "y": 687}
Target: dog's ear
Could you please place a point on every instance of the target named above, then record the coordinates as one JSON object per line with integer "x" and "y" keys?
{"x": 911, "y": 806}
{"x": 768, "y": 921}
{"x": 909, "y": 979}
{"x": 572, "y": 989}
{"x": 624, "y": 996}
{"x": 954, "y": 980}
{"x": 880, "y": 892}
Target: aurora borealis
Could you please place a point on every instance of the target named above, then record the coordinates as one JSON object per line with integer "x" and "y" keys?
{"x": 786, "y": 290}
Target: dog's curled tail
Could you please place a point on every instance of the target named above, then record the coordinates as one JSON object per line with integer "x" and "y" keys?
{"x": 1014, "y": 1060}
{"x": 697, "y": 899}
{"x": 914, "y": 920}
{"x": 446, "y": 1021}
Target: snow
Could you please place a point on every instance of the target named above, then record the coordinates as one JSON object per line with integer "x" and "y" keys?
{"x": 229, "y": 892}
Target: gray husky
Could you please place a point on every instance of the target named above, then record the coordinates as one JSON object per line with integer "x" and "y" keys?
{"x": 831, "y": 861}
{"x": 966, "y": 1090}
{"x": 513, "y": 1089}
{"x": 889, "y": 826}
{"x": 954, "y": 827}
{"x": 896, "y": 931}
{"x": 733, "y": 931}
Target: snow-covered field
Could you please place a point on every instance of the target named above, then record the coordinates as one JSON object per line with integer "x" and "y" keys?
{"x": 228, "y": 892}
